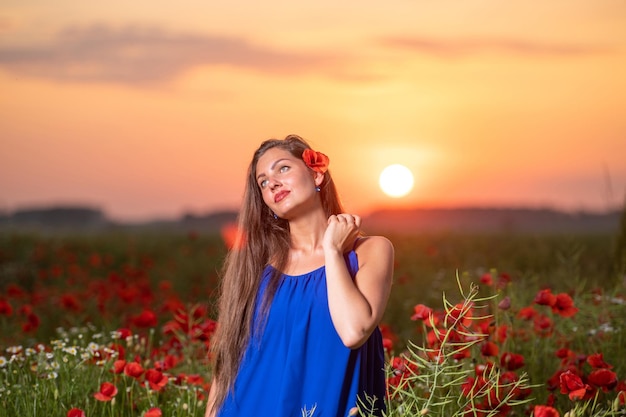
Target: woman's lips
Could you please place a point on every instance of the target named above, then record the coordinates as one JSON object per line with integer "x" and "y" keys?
{"x": 280, "y": 195}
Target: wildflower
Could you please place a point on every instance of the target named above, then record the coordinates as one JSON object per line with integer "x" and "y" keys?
{"x": 489, "y": 349}
{"x": 5, "y": 308}
{"x": 572, "y": 385}
{"x": 527, "y": 313}
{"x": 503, "y": 280}
{"x": 564, "y": 306}
{"x": 421, "y": 312}
{"x": 511, "y": 361}
{"x": 486, "y": 279}
{"x": 133, "y": 369}
{"x": 505, "y": 304}
{"x": 146, "y": 318}
{"x": 545, "y": 298}
{"x": 231, "y": 235}
{"x": 543, "y": 325}
{"x": 603, "y": 378}
{"x": 153, "y": 412}
{"x": 75, "y": 412}
{"x": 545, "y": 411}
{"x": 14, "y": 350}
{"x": 122, "y": 333}
{"x": 118, "y": 366}
{"x": 156, "y": 379}
{"x": 70, "y": 302}
{"x": 3, "y": 361}
{"x": 106, "y": 393}
{"x": 71, "y": 350}
{"x": 597, "y": 361}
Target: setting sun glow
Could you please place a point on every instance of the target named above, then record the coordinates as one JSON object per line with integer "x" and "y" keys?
{"x": 396, "y": 180}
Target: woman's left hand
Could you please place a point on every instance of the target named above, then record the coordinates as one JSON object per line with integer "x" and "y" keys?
{"x": 341, "y": 232}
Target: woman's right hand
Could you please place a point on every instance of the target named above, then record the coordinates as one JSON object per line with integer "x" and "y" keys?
{"x": 341, "y": 232}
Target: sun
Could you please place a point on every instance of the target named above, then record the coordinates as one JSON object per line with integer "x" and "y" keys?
{"x": 396, "y": 180}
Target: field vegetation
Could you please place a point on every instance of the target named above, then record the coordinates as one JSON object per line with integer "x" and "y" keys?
{"x": 477, "y": 325}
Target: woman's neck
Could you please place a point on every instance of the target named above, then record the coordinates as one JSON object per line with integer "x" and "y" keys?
{"x": 306, "y": 232}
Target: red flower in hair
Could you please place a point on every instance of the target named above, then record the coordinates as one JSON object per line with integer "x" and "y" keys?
{"x": 317, "y": 161}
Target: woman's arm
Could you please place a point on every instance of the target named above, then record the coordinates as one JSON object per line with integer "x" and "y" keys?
{"x": 356, "y": 306}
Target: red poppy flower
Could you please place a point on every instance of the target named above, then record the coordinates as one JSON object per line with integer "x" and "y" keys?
{"x": 545, "y": 411}
{"x": 134, "y": 370}
{"x": 511, "y": 361}
{"x": 564, "y": 305}
{"x": 486, "y": 279}
{"x": 545, "y": 298}
{"x": 75, "y": 412}
{"x": 70, "y": 302}
{"x": 118, "y": 366}
{"x": 472, "y": 386}
{"x": 603, "y": 378}
{"x": 400, "y": 370}
{"x": 459, "y": 313}
{"x": 543, "y": 325}
{"x": 527, "y": 313}
{"x": 489, "y": 349}
{"x": 421, "y": 312}
{"x": 317, "y": 161}
{"x": 503, "y": 280}
{"x": 502, "y": 333}
{"x": 106, "y": 393}
{"x": 5, "y": 308}
{"x": 32, "y": 323}
{"x": 147, "y": 318}
{"x": 123, "y": 333}
{"x": 572, "y": 385}
{"x": 156, "y": 379}
{"x": 596, "y": 360}
{"x": 153, "y": 412}
{"x": 231, "y": 235}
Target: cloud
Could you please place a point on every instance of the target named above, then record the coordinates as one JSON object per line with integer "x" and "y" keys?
{"x": 453, "y": 48}
{"x": 138, "y": 55}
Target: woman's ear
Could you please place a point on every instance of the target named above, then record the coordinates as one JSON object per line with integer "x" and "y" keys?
{"x": 318, "y": 178}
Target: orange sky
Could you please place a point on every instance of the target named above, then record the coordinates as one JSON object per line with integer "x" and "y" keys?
{"x": 152, "y": 109}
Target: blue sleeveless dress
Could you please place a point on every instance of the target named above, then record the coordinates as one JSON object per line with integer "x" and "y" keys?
{"x": 298, "y": 366}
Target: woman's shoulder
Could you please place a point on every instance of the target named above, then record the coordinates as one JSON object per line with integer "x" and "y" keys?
{"x": 373, "y": 245}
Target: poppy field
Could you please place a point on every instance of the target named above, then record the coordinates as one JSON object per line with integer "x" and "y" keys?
{"x": 477, "y": 325}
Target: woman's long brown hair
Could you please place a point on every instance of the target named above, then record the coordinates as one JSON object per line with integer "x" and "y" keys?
{"x": 262, "y": 240}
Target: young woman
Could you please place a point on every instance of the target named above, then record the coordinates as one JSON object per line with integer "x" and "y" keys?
{"x": 303, "y": 292}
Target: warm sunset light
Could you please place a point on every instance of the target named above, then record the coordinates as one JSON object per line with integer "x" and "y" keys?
{"x": 396, "y": 180}
{"x": 174, "y": 98}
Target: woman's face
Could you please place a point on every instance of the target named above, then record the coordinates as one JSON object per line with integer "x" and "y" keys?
{"x": 286, "y": 183}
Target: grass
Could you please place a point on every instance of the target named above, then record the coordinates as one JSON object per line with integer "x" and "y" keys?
{"x": 63, "y": 300}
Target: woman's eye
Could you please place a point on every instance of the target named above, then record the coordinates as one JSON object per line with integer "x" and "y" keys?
{"x": 284, "y": 168}
{"x": 263, "y": 184}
